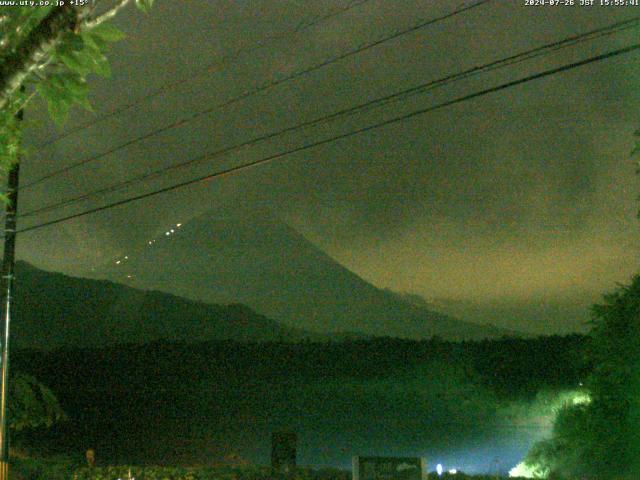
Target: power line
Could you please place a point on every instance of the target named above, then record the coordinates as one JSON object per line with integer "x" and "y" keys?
{"x": 260, "y": 44}
{"x": 535, "y": 53}
{"x": 401, "y": 95}
{"x": 248, "y": 93}
{"x": 341, "y": 136}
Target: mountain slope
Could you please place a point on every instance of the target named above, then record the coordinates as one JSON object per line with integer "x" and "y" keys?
{"x": 54, "y": 310}
{"x": 257, "y": 260}
{"x": 448, "y": 308}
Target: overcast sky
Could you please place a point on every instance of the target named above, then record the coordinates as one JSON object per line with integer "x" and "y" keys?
{"x": 517, "y": 208}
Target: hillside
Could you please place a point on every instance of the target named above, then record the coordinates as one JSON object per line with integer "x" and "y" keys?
{"x": 255, "y": 259}
{"x": 54, "y": 310}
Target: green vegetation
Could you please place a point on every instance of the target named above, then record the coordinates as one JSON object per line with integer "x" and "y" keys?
{"x": 91, "y": 313}
{"x": 65, "y": 469}
{"x": 601, "y": 438}
{"x": 54, "y": 468}
{"x": 32, "y": 405}
{"x": 48, "y": 51}
{"x": 205, "y": 473}
{"x": 186, "y": 404}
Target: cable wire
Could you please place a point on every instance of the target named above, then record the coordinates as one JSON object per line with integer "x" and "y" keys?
{"x": 260, "y": 44}
{"x": 415, "y": 113}
{"x": 248, "y": 93}
{"x": 401, "y": 95}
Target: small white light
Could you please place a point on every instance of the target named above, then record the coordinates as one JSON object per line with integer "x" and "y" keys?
{"x": 172, "y": 231}
{"x": 126, "y": 258}
{"x": 167, "y": 233}
{"x": 118, "y": 262}
{"x": 128, "y": 276}
{"x": 439, "y": 469}
{"x": 150, "y": 243}
{"x": 453, "y": 471}
{"x": 178, "y": 225}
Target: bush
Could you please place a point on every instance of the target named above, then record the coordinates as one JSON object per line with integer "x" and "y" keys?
{"x": 204, "y": 473}
{"x": 67, "y": 469}
{"x": 54, "y": 468}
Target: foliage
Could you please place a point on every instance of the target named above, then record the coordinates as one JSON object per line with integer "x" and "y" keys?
{"x": 10, "y": 135}
{"x": 32, "y": 405}
{"x": 144, "y": 5}
{"x": 204, "y": 473}
{"x": 56, "y": 468}
{"x": 138, "y": 401}
{"x": 60, "y": 78}
{"x": 64, "y": 469}
{"x": 139, "y": 473}
{"x": 601, "y": 439}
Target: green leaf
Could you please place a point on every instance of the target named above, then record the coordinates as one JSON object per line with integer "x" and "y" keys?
{"x": 73, "y": 52}
{"x": 77, "y": 62}
{"x": 71, "y": 42}
{"x": 144, "y": 5}
{"x": 61, "y": 91}
{"x": 59, "y": 110}
{"x": 40, "y": 13}
{"x": 54, "y": 102}
{"x": 99, "y": 62}
{"x": 77, "y": 88}
{"x": 94, "y": 42}
{"x": 76, "y": 85}
{"x": 47, "y": 92}
{"x": 106, "y": 32}
{"x": 101, "y": 66}
{"x": 58, "y": 89}
{"x": 89, "y": 59}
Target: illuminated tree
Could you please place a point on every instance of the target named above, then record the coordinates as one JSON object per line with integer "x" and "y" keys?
{"x": 601, "y": 439}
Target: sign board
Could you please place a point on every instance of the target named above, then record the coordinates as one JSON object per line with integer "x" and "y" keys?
{"x": 283, "y": 451}
{"x": 389, "y": 468}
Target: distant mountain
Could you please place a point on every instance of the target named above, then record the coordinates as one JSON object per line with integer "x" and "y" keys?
{"x": 235, "y": 255}
{"x": 451, "y": 307}
{"x": 412, "y": 299}
{"x": 55, "y": 310}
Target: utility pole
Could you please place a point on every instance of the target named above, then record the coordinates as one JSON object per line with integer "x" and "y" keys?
{"x": 8, "y": 264}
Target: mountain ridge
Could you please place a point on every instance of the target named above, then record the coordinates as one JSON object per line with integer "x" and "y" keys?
{"x": 255, "y": 259}
{"x": 55, "y": 310}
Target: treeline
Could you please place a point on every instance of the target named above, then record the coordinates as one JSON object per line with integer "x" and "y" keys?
{"x": 186, "y": 403}
{"x": 512, "y": 366}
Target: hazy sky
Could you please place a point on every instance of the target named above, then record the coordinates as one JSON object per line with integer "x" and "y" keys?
{"x": 517, "y": 208}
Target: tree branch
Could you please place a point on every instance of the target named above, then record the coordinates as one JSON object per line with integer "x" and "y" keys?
{"x": 37, "y": 47}
{"x": 108, "y": 15}
{"x": 34, "y": 49}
